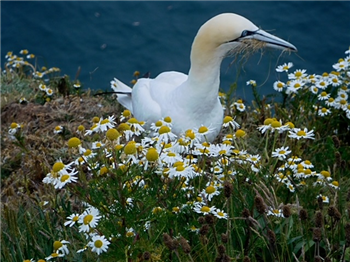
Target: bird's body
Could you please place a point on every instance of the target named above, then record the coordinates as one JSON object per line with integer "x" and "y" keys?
{"x": 192, "y": 100}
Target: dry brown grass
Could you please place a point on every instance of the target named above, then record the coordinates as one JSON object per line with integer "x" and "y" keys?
{"x": 24, "y": 167}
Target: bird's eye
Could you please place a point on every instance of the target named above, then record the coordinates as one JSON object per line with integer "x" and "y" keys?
{"x": 245, "y": 33}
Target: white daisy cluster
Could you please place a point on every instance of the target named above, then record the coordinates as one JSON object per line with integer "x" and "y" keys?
{"x": 120, "y": 149}
{"x": 330, "y": 89}
{"x": 293, "y": 172}
{"x": 17, "y": 62}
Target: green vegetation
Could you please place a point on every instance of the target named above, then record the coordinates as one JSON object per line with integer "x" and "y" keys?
{"x": 82, "y": 180}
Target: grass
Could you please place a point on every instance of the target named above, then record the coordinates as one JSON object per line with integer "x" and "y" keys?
{"x": 136, "y": 197}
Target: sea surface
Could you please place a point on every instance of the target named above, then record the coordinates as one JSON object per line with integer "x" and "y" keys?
{"x": 110, "y": 39}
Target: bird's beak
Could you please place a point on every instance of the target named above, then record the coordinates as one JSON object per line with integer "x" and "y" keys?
{"x": 270, "y": 40}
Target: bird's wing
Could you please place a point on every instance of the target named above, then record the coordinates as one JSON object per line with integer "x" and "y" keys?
{"x": 172, "y": 78}
{"x": 152, "y": 97}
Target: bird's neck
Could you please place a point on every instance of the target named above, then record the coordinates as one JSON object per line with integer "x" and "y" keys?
{"x": 204, "y": 74}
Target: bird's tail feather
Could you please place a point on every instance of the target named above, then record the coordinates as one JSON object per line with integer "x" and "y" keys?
{"x": 123, "y": 93}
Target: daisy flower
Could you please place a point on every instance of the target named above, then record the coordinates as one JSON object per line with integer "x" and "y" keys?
{"x": 98, "y": 244}
{"x": 89, "y": 219}
{"x": 298, "y": 74}
{"x": 96, "y": 145}
{"x": 335, "y": 81}
{"x": 322, "y": 83}
{"x": 209, "y": 192}
{"x": 275, "y": 212}
{"x": 58, "y": 129}
{"x": 61, "y": 247}
{"x": 165, "y": 135}
{"x": 323, "y": 111}
{"x": 126, "y": 114}
{"x": 229, "y": 121}
{"x": 220, "y": 214}
{"x": 49, "y": 92}
{"x": 278, "y": 86}
{"x": 239, "y": 105}
{"x": 281, "y": 153}
{"x": 285, "y": 67}
{"x": 251, "y": 82}
{"x": 334, "y": 184}
{"x": 136, "y": 126}
{"x": 342, "y": 65}
{"x": 66, "y": 178}
{"x": 42, "y": 87}
{"x": 203, "y": 209}
{"x": 72, "y": 219}
{"x": 107, "y": 123}
{"x": 323, "y": 96}
{"x": 14, "y": 127}
{"x": 54, "y": 255}
{"x": 299, "y": 133}
{"x": 203, "y": 131}
{"x": 294, "y": 86}
{"x": 325, "y": 199}
{"x": 130, "y": 232}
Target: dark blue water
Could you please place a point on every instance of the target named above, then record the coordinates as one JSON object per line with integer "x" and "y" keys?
{"x": 113, "y": 39}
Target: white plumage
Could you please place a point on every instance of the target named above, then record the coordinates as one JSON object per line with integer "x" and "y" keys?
{"x": 192, "y": 100}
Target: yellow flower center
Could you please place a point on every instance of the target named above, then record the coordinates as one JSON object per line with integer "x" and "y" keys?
{"x": 240, "y": 133}
{"x": 203, "y": 129}
{"x": 14, "y": 125}
{"x": 130, "y": 148}
{"x": 227, "y": 119}
{"x": 297, "y": 85}
{"x": 57, "y": 245}
{"x": 81, "y": 128}
{"x": 210, "y": 190}
{"x": 190, "y": 134}
{"x": 87, "y": 152}
{"x": 104, "y": 121}
{"x": 103, "y": 170}
{"x": 205, "y": 209}
{"x": 133, "y": 121}
{"x": 87, "y": 219}
{"x": 74, "y": 142}
{"x": 167, "y": 119}
{"x": 325, "y": 173}
{"x": 98, "y": 243}
{"x": 279, "y": 84}
{"x": 126, "y": 113}
{"x": 290, "y": 124}
{"x": 64, "y": 178}
{"x": 123, "y": 127}
{"x": 301, "y": 133}
{"x": 152, "y": 154}
{"x": 129, "y": 234}
{"x": 158, "y": 123}
{"x": 112, "y": 134}
{"x": 95, "y": 119}
{"x": 163, "y": 130}
{"x": 335, "y": 183}
{"x": 268, "y": 121}
{"x": 180, "y": 168}
{"x": 57, "y": 167}
{"x": 276, "y": 124}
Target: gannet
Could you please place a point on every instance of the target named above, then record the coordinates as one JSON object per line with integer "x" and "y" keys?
{"x": 192, "y": 100}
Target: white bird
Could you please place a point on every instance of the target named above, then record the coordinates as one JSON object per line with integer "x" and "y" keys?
{"x": 192, "y": 100}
